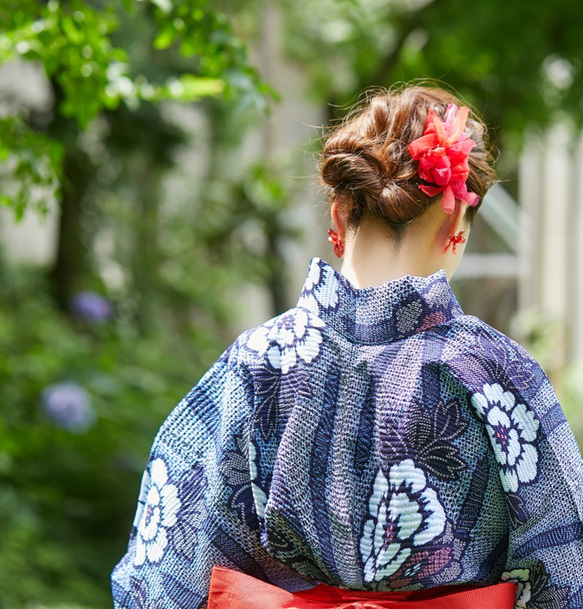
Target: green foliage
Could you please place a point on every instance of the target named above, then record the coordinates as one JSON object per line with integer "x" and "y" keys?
{"x": 520, "y": 62}
{"x": 72, "y": 41}
{"x": 67, "y": 498}
{"x": 35, "y": 163}
{"x": 79, "y": 45}
{"x": 542, "y": 336}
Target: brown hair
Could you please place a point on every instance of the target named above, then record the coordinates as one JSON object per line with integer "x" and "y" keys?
{"x": 366, "y": 165}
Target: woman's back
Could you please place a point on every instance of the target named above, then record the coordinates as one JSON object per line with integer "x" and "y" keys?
{"x": 407, "y": 445}
{"x": 371, "y": 439}
{"x": 374, "y": 437}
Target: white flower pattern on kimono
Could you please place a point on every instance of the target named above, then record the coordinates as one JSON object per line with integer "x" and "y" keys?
{"x": 289, "y": 341}
{"x": 512, "y": 429}
{"x": 156, "y": 515}
{"x": 522, "y": 578}
{"x": 320, "y": 288}
{"x": 405, "y": 514}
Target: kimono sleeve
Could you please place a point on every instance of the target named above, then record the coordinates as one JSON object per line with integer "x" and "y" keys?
{"x": 195, "y": 508}
{"x": 541, "y": 473}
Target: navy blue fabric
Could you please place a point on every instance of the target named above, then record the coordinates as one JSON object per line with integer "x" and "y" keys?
{"x": 370, "y": 438}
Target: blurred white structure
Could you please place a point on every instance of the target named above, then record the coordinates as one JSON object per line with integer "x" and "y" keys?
{"x": 551, "y": 245}
{"x": 23, "y": 84}
{"x": 501, "y": 212}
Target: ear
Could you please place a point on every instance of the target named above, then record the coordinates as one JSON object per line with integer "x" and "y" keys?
{"x": 449, "y": 257}
{"x": 338, "y": 219}
{"x": 457, "y": 220}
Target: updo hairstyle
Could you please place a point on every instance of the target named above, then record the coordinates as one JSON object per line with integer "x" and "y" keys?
{"x": 366, "y": 166}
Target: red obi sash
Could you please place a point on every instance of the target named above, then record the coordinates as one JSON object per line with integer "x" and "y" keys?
{"x": 233, "y": 590}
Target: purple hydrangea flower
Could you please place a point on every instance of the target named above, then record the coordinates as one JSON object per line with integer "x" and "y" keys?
{"x": 91, "y": 307}
{"x": 68, "y": 406}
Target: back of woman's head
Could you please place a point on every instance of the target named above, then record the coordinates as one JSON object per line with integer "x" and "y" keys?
{"x": 368, "y": 169}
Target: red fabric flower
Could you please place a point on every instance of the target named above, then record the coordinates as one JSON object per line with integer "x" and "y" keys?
{"x": 442, "y": 153}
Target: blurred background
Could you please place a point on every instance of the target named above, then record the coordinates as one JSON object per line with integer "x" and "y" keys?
{"x": 157, "y": 176}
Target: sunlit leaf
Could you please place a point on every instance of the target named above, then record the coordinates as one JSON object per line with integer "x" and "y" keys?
{"x": 165, "y": 38}
{"x": 190, "y": 88}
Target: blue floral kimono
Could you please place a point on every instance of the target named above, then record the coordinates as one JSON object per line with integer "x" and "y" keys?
{"x": 375, "y": 439}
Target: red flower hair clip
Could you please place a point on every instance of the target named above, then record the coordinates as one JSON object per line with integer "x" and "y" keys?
{"x": 442, "y": 153}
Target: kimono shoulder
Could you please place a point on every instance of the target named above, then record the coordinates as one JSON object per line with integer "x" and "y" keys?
{"x": 480, "y": 356}
{"x": 287, "y": 341}
{"x": 197, "y": 505}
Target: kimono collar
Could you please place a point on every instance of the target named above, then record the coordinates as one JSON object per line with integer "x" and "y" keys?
{"x": 381, "y": 313}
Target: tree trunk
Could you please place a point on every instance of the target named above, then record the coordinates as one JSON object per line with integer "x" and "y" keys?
{"x": 69, "y": 271}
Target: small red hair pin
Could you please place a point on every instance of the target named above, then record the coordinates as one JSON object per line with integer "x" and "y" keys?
{"x": 454, "y": 241}
{"x": 442, "y": 152}
{"x": 337, "y": 242}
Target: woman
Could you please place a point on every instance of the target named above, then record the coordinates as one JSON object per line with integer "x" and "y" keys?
{"x": 373, "y": 438}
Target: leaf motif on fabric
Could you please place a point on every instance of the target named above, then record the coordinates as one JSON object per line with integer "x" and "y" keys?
{"x": 292, "y": 550}
{"x": 140, "y": 596}
{"x": 474, "y": 501}
{"x": 193, "y": 513}
{"x": 320, "y": 456}
{"x": 394, "y": 445}
{"x": 139, "y": 592}
{"x": 430, "y": 434}
{"x": 421, "y": 567}
{"x": 448, "y": 421}
{"x": 266, "y": 395}
{"x": 275, "y": 395}
{"x": 517, "y": 509}
{"x": 234, "y": 468}
{"x": 496, "y": 360}
{"x": 535, "y": 590}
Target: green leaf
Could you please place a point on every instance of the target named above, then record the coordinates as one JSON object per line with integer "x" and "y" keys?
{"x": 191, "y": 88}
{"x": 165, "y": 38}
{"x": 34, "y": 160}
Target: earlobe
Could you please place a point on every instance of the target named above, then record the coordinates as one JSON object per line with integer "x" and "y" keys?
{"x": 337, "y": 237}
{"x": 456, "y": 228}
{"x": 455, "y": 240}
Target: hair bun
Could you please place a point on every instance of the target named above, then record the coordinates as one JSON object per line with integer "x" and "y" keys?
{"x": 352, "y": 168}
{"x": 366, "y": 164}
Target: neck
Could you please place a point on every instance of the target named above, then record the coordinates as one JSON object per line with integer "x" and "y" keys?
{"x": 373, "y": 257}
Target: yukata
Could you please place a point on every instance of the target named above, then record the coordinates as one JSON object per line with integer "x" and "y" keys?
{"x": 371, "y": 439}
